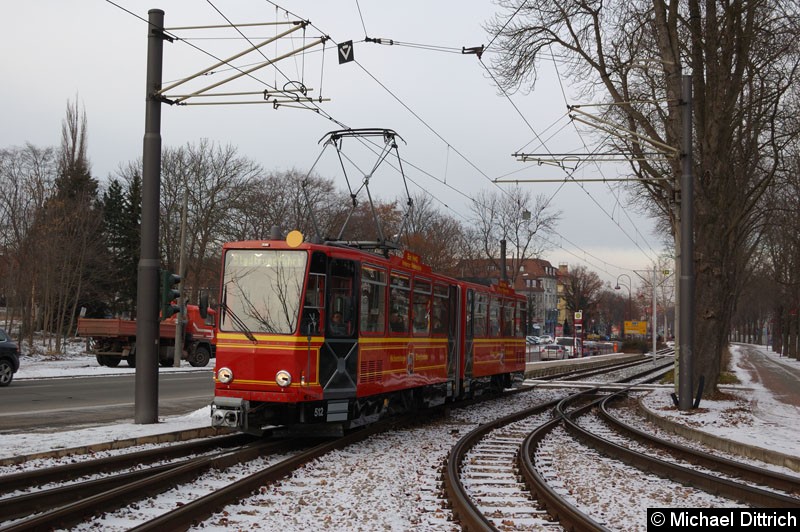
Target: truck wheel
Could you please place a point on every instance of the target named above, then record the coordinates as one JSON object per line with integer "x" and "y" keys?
{"x": 131, "y": 360}
{"x": 201, "y": 357}
{"x": 108, "y": 360}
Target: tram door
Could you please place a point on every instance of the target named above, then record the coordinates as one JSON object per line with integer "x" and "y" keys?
{"x": 454, "y": 338}
{"x": 338, "y": 357}
{"x": 469, "y": 338}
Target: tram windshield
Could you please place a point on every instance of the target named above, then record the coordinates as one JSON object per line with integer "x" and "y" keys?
{"x": 261, "y": 290}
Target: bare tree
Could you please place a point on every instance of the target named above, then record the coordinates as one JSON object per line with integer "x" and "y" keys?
{"x": 582, "y": 290}
{"x": 743, "y": 56}
{"x": 781, "y": 252}
{"x": 435, "y": 237}
{"x": 517, "y": 218}
{"x": 67, "y": 235}
{"x": 215, "y": 179}
{"x": 287, "y": 200}
{"x": 27, "y": 180}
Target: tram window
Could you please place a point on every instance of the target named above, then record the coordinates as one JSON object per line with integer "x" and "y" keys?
{"x": 399, "y": 303}
{"x": 421, "y": 315}
{"x": 313, "y": 305}
{"x": 494, "y": 317}
{"x": 315, "y": 291}
{"x": 470, "y": 314}
{"x": 508, "y": 317}
{"x": 481, "y": 304}
{"x": 373, "y": 300}
{"x": 341, "y": 297}
{"x": 441, "y": 309}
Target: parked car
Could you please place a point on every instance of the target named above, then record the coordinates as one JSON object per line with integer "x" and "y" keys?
{"x": 568, "y": 342}
{"x": 9, "y": 359}
{"x": 532, "y": 340}
{"x": 553, "y": 351}
{"x": 546, "y": 339}
{"x": 591, "y": 348}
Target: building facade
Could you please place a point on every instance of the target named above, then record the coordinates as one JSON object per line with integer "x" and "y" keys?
{"x": 537, "y": 279}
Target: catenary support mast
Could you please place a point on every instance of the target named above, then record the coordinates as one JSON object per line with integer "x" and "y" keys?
{"x": 687, "y": 305}
{"x": 146, "y": 391}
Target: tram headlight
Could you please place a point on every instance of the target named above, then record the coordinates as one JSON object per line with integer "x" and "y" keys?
{"x": 283, "y": 378}
{"x": 225, "y": 375}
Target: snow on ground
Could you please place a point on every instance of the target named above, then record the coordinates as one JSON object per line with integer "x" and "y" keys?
{"x": 753, "y": 416}
{"x": 365, "y": 488}
{"x": 74, "y": 362}
{"x": 771, "y": 423}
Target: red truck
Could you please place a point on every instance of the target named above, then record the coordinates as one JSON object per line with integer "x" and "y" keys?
{"x": 111, "y": 340}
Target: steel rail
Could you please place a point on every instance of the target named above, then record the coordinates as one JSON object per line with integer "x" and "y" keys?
{"x": 204, "y": 507}
{"x": 568, "y": 514}
{"x": 704, "y": 481}
{"x": 464, "y": 508}
{"x": 37, "y": 477}
{"x": 764, "y": 477}
{"x": 87, "y": 505}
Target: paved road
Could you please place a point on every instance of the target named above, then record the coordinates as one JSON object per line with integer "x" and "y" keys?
{"x": 781, "y": 379}
{"x": 42, "y": 403}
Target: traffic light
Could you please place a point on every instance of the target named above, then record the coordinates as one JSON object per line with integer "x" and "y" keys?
{"x": 169, "y": 293}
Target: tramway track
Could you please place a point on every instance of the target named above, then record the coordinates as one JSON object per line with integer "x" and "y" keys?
{"x": 69, "y": 504}
{"x": 95, "y": 498}
{"x": 735, "y": 490}
{"x": 552, "y": 493}
{"x": 117, "y": 462}
{"x": 593, "y": 368}
{"x": 471, "y": 513}
{"x": 205, "y": 507}
{"x": 789, "y": 484}
{"x": 489, "y": 457}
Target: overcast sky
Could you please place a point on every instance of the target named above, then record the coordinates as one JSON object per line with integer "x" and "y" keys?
{"x": 459, "y": 130}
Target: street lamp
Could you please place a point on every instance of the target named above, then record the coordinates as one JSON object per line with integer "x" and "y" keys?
{"x": 629, "y": 296}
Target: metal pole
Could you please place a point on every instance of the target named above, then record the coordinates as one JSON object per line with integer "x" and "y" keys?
{"x": 503, "y": 273}
{"x": 687, "y": 307}
{"x": 180, "y": 325}
{"x": 655, "y": 310}
{"x": 146, "y": 353}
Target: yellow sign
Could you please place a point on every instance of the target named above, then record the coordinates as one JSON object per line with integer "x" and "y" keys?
{"x": 636, "y": 327}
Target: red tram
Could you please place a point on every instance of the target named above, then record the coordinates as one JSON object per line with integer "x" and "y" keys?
{"x": 318, "y": 338}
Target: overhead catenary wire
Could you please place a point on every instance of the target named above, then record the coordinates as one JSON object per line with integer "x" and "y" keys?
{"x": 416, "y": 167}
{"x": 361, "y": 16}
{"x": 413, "y": 113}
{"x": 544, "y": 145}
{"x": 312, "y": 106}
{"x": 583, "y": 142}
{"x": 553, "y": 56}
{"x": 449, "y": 145}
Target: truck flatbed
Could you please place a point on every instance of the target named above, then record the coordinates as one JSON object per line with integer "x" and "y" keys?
{"x": 117, "y": 327}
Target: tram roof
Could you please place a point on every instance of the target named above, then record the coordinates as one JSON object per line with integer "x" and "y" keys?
{"x": 408, "y": 262}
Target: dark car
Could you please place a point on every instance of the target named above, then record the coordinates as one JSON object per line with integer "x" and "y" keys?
{"x": 9, "y": 359}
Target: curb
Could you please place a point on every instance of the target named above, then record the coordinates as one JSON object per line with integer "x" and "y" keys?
{"x": 721, "y": 444}
{"x": 545, "y": 368}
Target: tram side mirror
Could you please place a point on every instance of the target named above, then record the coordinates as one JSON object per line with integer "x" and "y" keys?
{"x": 204, "y": 304}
